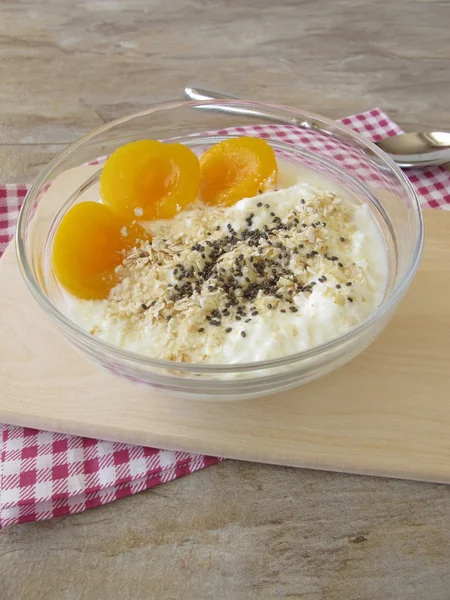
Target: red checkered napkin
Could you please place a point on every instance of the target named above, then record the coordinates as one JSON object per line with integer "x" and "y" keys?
{"x": 45, "y": 474}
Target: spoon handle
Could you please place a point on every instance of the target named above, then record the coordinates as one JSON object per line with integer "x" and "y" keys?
{"x": 250, "y": 110}
{"x": 195, "y": 93}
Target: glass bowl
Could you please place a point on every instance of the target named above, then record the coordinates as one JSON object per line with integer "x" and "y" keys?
{"x": 323, "y": 148}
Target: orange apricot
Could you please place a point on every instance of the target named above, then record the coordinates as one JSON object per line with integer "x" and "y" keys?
{"x": 150, "y": 179}
{"x": 236, "y": 168}
{"x": 89, "y": 244}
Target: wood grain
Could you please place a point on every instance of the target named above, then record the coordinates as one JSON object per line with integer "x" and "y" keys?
{"x": 386, "y": 413}
{"x": 238, "y": 531}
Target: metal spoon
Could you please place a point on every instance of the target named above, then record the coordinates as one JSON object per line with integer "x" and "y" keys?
{"x": 406, "y": 149}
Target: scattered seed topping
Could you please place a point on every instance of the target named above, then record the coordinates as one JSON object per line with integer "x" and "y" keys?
{"x": 220, "y": 270}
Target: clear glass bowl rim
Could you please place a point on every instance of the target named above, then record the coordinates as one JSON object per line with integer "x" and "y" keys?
{"x": 144, "y": 361}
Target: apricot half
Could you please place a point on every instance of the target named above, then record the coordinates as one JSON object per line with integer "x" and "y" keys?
{"x": 236, "y": 168}
{"x": 150, "y": 179}
{"x": 89, "y": 244}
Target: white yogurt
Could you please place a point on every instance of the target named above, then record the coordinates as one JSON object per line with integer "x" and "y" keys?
{"x": 297, "y": 322}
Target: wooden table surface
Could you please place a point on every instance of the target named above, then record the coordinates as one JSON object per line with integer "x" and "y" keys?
{"x": 234, "y": 531}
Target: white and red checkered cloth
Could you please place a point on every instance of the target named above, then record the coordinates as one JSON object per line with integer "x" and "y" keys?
{"x": 44, "y": 474}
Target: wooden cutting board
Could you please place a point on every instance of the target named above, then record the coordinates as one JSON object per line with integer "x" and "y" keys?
{"x": 386, "y": 413}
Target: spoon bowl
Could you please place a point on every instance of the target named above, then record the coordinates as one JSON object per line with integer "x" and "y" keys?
{"x": 418, "y": 149}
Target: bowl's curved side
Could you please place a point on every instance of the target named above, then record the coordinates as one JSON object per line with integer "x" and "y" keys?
{"x": 263, "y": 377}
